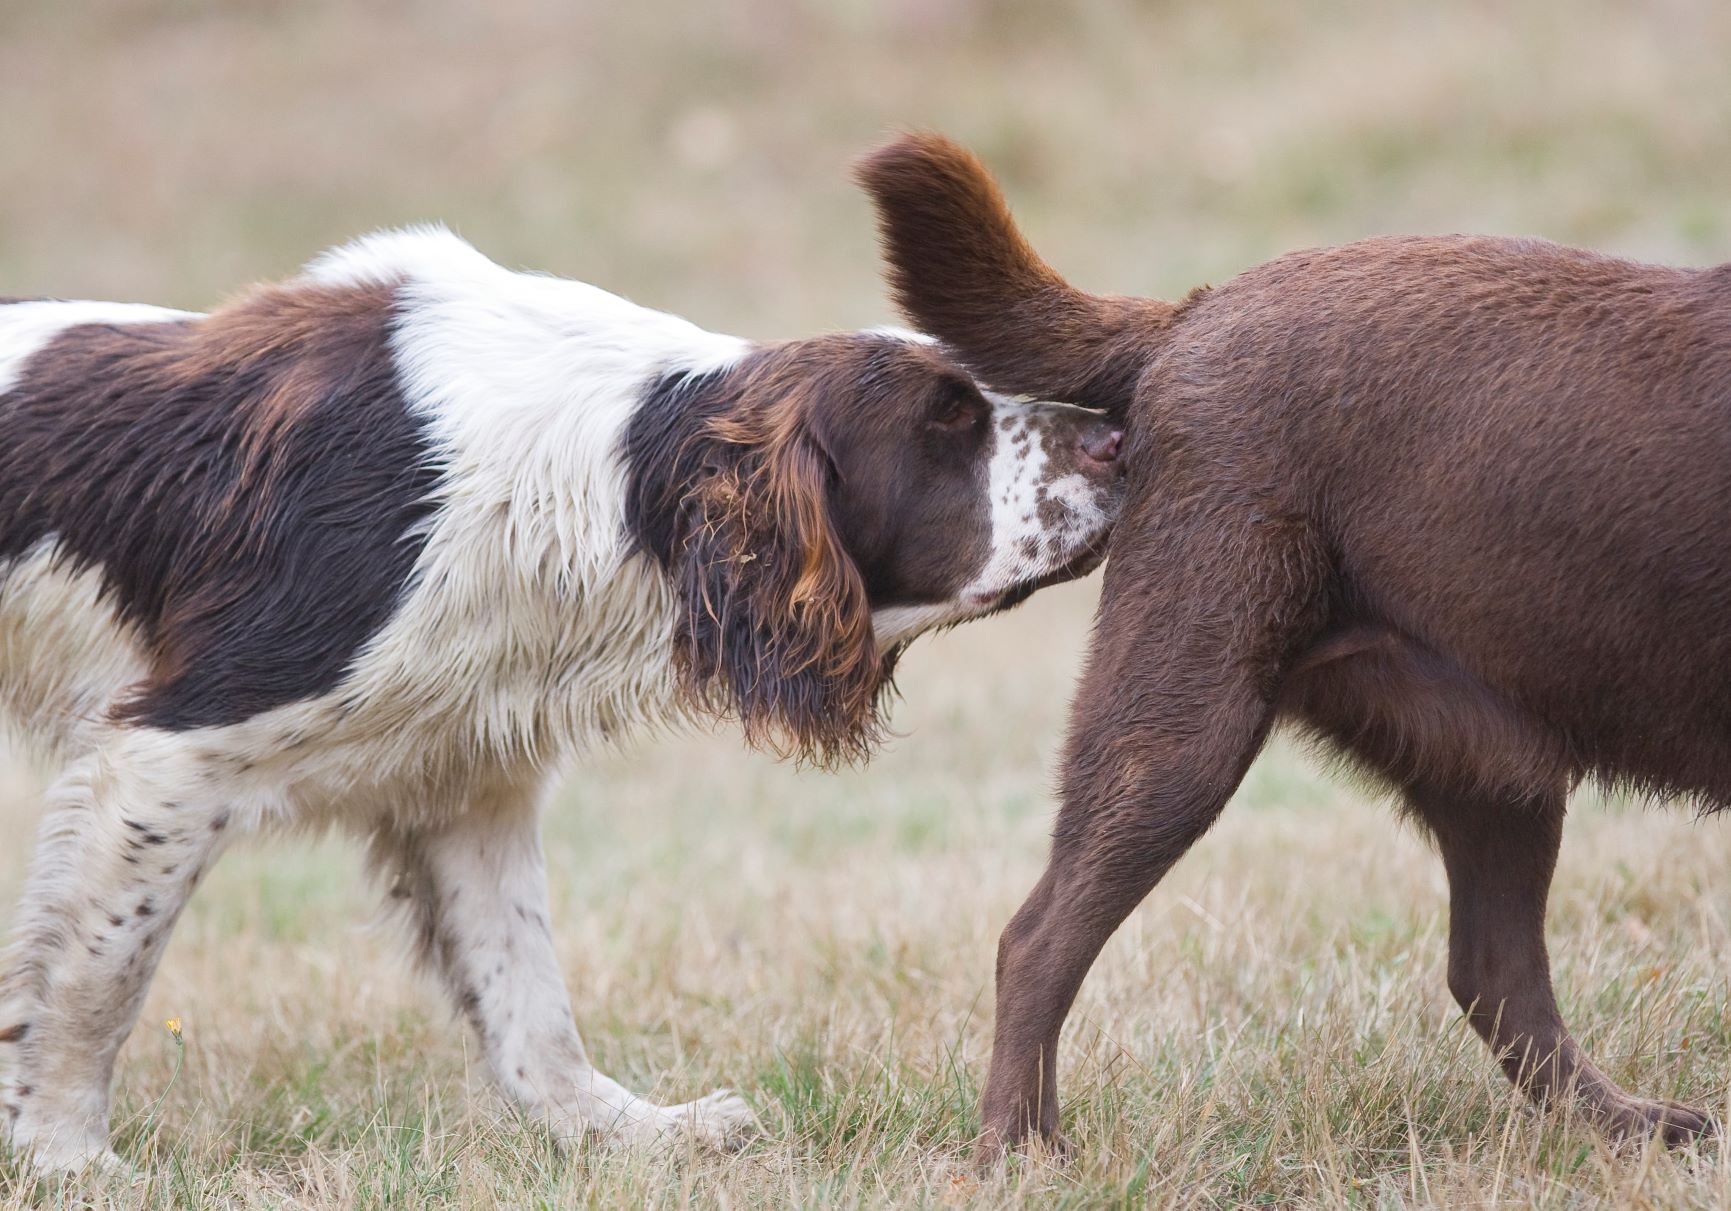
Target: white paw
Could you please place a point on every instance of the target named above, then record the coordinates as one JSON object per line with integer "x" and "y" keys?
{"x": 99, "y": 1163}
{"x": 722, "y": 1120}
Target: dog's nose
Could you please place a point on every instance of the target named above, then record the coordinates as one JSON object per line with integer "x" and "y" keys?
{"x": 1101, "y": 442}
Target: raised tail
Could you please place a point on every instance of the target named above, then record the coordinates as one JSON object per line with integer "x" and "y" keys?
{"x": 961, "y": 271}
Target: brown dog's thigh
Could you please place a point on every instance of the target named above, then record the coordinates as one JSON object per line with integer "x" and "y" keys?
{"x": 1174, "y": 705}
{"x": 1500, "y": 854}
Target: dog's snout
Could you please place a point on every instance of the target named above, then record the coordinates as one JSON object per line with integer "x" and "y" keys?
{"x": 1101, "y": 443}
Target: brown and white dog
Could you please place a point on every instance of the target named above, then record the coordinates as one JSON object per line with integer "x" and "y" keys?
{"x": 386, "y": 545}
{"x": 1460, "y": 507}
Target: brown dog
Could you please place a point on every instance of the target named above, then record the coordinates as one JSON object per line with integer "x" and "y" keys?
{"x": 1461, "y": 506}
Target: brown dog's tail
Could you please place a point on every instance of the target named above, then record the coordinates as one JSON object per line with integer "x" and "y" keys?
{"x": 961, "y": 271}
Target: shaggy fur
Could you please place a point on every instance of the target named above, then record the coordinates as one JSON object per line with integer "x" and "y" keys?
{"x": 385, "y": 546}
{"x": 1457, "y": 506}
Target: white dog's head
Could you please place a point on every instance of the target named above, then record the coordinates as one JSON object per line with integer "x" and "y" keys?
{"x": 823, "y": 501}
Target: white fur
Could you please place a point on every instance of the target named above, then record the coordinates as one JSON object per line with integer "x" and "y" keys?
{"x": 63, "y": 652}
{"x": 529, "y": 633}
{"x": 1017, "y": 484}
{"x": 476, "y": 889}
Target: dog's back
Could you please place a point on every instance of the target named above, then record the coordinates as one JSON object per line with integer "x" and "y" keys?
{"x": 209, "y": 471}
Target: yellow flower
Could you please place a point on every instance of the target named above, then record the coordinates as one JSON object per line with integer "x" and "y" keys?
{"x": 173, "y": 1025}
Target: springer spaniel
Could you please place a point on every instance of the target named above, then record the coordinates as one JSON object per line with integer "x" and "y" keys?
{"x": 385, "y": 545}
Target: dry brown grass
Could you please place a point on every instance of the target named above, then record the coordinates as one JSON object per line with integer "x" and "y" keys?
{"x": 1271, "y": 1027}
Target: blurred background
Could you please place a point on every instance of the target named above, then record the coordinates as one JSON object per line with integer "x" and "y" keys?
{"x": 694, "y": 157}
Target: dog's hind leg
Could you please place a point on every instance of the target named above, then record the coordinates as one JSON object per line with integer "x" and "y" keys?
{"x": 126, "y": 836}
{"x": 1499, "y": 853}
{"x": 474, "y": 888}
{"x": 1175, "y": 703}
{"x": 1120, "y": 830}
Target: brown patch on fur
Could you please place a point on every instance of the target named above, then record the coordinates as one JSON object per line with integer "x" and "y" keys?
{"x": 247, "y": 483}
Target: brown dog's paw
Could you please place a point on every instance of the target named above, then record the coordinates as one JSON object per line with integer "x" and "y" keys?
{"x": 1674, "y": 1124}
{"x": 992, "y": 1150}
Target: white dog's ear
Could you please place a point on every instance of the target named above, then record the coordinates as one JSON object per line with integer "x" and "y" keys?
{"x": 961, "y": 270}
{"x": 775, "y": 626}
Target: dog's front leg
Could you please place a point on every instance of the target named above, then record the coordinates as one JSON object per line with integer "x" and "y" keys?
{"x": 475, "y": 889}
{"x": 127, "y": 834}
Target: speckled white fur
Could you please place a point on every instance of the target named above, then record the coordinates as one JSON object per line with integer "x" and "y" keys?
{"x": 1024, "y": 545}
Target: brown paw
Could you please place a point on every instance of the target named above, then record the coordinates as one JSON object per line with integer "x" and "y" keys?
{"x": 994, "y": 1147}
{"x": 1675, "y": 1125}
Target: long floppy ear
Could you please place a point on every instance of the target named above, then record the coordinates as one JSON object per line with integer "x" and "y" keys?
{"x": 961, "y": 271}
{"x": 775, "y": 626}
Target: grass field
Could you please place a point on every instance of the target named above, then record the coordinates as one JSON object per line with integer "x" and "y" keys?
{"x": 1271, "y": 1027}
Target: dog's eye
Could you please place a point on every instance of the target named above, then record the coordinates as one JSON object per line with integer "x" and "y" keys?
{"x": 957, "y": 411}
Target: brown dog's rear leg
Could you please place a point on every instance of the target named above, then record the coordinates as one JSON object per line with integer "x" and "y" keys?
{"x": 1499, "y": 855}
{"x": 1102, "y": 864}
{"x": 1171, "y": 711}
